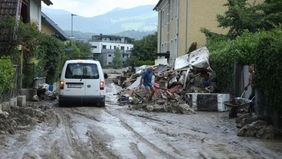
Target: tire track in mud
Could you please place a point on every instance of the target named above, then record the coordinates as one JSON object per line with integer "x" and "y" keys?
{"x": 101, "y": 148}
{"x": 94, "y": 148}
{"x": 76, "y": 111}
{"x": 80, "y": 150}
{"x": 136, "y": 151}
{"x": 141, "y": 138}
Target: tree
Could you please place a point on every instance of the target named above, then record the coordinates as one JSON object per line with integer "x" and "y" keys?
{"x": 271, "y": 12}
{"x": 42, "y": 54}
{"x": 84, "y": 48}
{"x": 144, "y": 51}
{"x": 117, "y": 61}
{"x": 242, "y": 16}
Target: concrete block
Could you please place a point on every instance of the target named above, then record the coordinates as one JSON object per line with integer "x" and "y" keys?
{"x": 13, "y": 102}
{"x": 209, "y": 101}
{"x": 5, "y": 106}
{"x": 29, "y": 93}
{"x": 21, "y": 101}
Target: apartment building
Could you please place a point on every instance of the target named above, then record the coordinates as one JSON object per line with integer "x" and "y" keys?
{"x": 104, "y": 46}
{"x": 180, "y": 23}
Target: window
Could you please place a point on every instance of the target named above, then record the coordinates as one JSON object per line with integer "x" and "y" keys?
{"x": 104, "y": 46}
{"x": 110, "y": 55}
{"x": 122, "y": 48}
{"x": 94, "y": 47}
{"x": 110, "y": 47}
{"x": 109, "y": 63}
{"x": 115, "y": 47}
{"x": 82, "y": 70}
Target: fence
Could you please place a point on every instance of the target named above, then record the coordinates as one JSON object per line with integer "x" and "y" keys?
{"x": 13, "y": 90}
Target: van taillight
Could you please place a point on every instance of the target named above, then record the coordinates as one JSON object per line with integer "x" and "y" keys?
{"x": 102, "y": 85}
{"x": 61, "y": 84}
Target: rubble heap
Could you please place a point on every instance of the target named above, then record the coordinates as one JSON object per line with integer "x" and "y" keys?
{"x": 191, "y": 74}
{"x": 22, "y": 117}
{"x": 251, "y": 126}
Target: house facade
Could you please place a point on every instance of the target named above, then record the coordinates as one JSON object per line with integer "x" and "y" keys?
{"x": 104, "y": 46}
{"x": 28, "y": 11}
{"x": 180, "y": 23}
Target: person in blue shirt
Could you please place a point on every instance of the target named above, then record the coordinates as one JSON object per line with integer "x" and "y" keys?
{"x": 146, "y": 80}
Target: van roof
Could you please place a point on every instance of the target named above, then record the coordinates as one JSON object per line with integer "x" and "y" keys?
{"x": 83, "y": 61}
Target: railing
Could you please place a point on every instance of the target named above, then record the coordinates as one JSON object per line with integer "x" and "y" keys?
{"x": 113, "y": 51}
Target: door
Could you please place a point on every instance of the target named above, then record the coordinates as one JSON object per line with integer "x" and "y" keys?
{"x": 91, "y": 79}
{"x": 74, "y": 82}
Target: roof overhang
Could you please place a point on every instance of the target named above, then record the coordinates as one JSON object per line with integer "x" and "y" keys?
{"x": 158, "y": 4}
{"x": 47, "y": 2}
{"x": 58, "y": 31}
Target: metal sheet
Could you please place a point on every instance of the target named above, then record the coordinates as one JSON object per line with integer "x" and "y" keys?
{"x": 162, "y": 61}
{"x": 181, "y": 62}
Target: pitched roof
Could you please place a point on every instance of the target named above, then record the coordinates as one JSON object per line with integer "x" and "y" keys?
{"x": 158, "y": 4}
{"x": 58, "y": 31}
{"x": 47, "y": 2}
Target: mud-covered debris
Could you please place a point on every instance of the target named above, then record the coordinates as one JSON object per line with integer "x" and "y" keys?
{"x": 259, "y": 129}
{"x": 163, "y": 106}
{"x": 170, "y": 84}
{"x": 7, "y": 125}
{"x": 156, "y": 108}
{"x": 18, "y": 117}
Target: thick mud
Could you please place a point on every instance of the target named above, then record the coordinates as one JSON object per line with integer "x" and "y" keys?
{"x": 116, "y": 132}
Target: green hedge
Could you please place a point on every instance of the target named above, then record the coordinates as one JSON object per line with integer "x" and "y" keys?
{"x": 264, "y": 49}
{"x": 7, "y": 72}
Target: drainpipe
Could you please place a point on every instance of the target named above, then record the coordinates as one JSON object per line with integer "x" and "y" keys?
{"x": 160, "y": 30}
{"x": 186, "y": 32}
{"x": 177, "y": 28}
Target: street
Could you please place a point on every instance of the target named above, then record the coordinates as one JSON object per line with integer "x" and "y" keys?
{"x": 116, "y": 132}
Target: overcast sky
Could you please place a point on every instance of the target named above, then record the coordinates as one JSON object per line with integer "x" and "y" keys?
{"x": 91, "y": 8}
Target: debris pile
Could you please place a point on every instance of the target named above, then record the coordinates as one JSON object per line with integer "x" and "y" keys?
{"x": 45, "y": 92}
{"x": 22, "y": 117}
{"x": 251, "y": 126}
{"x": 191, "y": 74}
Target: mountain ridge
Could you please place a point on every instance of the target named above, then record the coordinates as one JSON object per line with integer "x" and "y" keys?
{"x": 142, "y": 19}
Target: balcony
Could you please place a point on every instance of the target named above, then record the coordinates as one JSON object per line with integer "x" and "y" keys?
{"x": 113, "y": 51}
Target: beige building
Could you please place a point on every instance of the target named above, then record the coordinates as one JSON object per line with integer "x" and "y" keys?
{"x": 180, "y": 23}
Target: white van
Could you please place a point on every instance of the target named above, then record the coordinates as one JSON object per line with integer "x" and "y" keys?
{"x": 82, "y": 82}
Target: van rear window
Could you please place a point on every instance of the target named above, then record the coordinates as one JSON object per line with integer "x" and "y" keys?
{"x": 82, "y": 70}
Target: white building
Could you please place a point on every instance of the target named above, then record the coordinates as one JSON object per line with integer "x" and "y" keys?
{"x": 104, "y": 46}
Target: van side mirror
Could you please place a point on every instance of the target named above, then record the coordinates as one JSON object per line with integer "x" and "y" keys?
{"x": 105, "y": 76}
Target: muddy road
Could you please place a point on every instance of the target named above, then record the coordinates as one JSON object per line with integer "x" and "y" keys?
{"x": 116, "y": 132}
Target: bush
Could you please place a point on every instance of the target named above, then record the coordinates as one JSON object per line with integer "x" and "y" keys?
{"x": 43, "y": 55}
{"x": 7, "y": 72}
{"x": 264, "y": 49}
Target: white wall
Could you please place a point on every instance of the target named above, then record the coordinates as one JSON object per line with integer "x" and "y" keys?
{"x": 35, "y": 12}
{"x": 168, "y": 28}
{"x": 109, "y": 46}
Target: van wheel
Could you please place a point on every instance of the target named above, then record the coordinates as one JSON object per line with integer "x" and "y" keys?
{"x": 102, "y": 103}
{"x": 61, "y": 103}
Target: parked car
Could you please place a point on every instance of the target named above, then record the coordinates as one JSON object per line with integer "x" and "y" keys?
{"x": 82, "y": 82}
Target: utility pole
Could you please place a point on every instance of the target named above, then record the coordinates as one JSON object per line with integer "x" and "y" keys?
{"x": 20, "y": 49}
{"x": 72, "y": 15}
